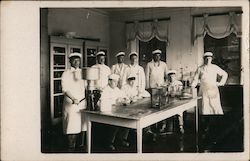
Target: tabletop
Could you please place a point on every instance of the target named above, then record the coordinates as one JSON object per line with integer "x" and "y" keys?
{"x": 139, "y": 109}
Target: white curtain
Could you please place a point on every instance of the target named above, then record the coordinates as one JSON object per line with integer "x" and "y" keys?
{"x": 216, "y": 26}
{"x": 147, "y": 30}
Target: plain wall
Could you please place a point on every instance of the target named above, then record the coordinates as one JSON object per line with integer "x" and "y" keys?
{"x": 85, "y": 22}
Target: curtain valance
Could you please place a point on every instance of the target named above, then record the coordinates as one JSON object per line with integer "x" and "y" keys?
{"x": 216, "y": 26}
{"x": 145, "y": 31}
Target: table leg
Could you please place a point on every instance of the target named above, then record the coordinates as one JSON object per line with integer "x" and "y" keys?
{"x": 197, "y": 127}
{"x": 139, "y": 138}
{"x": 89, "y": 135}
{"x": 181, "y": 122}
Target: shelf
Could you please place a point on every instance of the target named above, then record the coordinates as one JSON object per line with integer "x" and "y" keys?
{"x": 57, "y": 78}
{"x": 59, "y": 53}
{"x": 89, "y": 56}
{"x": 59, "y": 65}
{"x": 59, "y": 70}
{"x": 58, "y": 94}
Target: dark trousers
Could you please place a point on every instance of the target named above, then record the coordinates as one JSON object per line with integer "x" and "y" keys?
{"x": 117, "y": 133}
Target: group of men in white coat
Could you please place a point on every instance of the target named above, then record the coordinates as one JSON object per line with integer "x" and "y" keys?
{"x": 130, "y": 81}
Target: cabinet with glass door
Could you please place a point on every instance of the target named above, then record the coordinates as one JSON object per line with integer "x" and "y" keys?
{"x": 60, "y": 48}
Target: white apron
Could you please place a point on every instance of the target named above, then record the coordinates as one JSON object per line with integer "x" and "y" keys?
{"x": 207, "y": 75}
{"x": 73, "y": 120}
{"x": 130, "y": 92}
{"x": 109, "y": 97}
{"x": 119, "y": 70}
{"x": 138, "y": 71}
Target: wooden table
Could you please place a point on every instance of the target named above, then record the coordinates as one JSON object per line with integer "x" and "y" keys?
{"x": 138, "y": 116}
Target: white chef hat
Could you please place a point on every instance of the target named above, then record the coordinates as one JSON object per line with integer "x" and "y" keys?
{"x": 114, "y": 77}
{"x": 133, "y": 53}
{"x": 171, "y": 72}
{"x": 120, "y": 54}
{"x": 131, "y": 76}
{"x": 75, "y": 55}
{"x": 157, "y": 51}
{"x": 208, "y": 54}
{"x": 100, "y": 53}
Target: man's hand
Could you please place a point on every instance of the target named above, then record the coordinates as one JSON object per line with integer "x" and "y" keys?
{"x": 220, "y": 84}
{"x": 76, "y": 101}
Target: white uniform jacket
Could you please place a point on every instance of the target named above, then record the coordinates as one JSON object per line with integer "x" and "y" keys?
{"x": 130, "y": 92}
{"x": 138, "y": 71}
{"x": 176, "y": 85}
{"x": 103, "y": 77}
{"x": 155, "y": 72}
{"x": 73, "y": 119}
{"x": 207, "y": 75}
{"x": 119, "y": 69}
{"x": 109, "y": 97}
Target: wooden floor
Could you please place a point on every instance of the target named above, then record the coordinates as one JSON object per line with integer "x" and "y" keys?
{"x": 225, "y": 135}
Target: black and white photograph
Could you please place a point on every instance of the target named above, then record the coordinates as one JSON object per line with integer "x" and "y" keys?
{"x": 130, "y": 79}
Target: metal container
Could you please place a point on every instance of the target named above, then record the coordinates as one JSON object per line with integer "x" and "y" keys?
{"x": 92, "y": 98}
{"x": 92, "y": 94}
{"x": 90, "y": 73}
{"x": 159, "y": 97}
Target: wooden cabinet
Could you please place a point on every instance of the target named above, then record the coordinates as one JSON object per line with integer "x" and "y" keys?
{"x": 60, "y": 48}
{"x": 91, "y": 48}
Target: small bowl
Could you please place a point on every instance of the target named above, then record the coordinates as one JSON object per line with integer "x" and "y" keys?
{"x": 70, "y": 34}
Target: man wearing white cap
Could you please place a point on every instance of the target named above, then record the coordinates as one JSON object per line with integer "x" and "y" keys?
{"x": 120, "y": 67}
{"x": 206, "y": 75}
{"x": 138, "y": 71}
{"x": 155, "y": 70}
{"x": 73, "y": 87}
{"x": 104, "y": 70}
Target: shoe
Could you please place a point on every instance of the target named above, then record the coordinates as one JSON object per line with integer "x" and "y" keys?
{"x": 111, "y": 147}
{"x": 125, "y": 143}
{"x": 154, "y": 136}
{"x": 82, "y": 148}
{"x": 71, "y": 150}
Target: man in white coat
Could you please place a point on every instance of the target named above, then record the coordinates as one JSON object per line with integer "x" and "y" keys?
{"x": 73, "y": 87}
{"x": 206, "y": 75}
{"x": 104, "y": 71}
{"x": 138, "y": 71}
{"x": 119, "y": 67}
{"x": 156, "y": 70}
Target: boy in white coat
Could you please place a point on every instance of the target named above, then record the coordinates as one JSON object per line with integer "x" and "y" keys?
{"x": 119, "y": 67}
